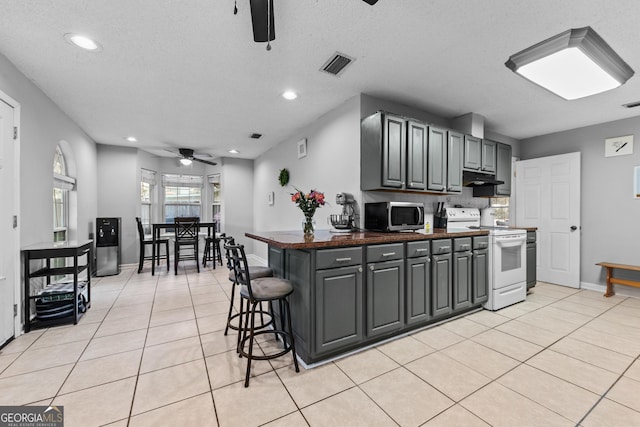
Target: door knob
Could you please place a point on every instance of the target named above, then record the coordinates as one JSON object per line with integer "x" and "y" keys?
{"x": 574, "y": 228}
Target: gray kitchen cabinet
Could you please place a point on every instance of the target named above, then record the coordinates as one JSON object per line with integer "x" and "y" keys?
{"x": 416, "y": 156}
{"x": 441, "y": 268}
{"x": 488, "y": 156}
{"x": 472, "y": 153}
{"x": 383, "y": 145}
{"x": 384, "y": 288}
{"x": 418, "y": 282}
{"x": 454, "y": 162}
{"x": 339, "y": 297}
{"x": 503, "y": 173}
{"x": 437, "y": 159}
{"x": 462, "y": 273}
{"x": 531, "y": 259}
{"x": 480, "y": 269}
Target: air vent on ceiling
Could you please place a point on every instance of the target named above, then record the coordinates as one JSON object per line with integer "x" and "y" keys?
{"x": 256, "y": 135}
{"x": 632, "y": 104}
{"x": 337, "y": 63}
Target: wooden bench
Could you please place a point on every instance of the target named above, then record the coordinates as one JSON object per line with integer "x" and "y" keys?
{"x": 611, "y": 280}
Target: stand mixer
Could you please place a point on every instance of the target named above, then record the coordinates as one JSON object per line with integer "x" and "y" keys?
{"x": 344, "y": 222}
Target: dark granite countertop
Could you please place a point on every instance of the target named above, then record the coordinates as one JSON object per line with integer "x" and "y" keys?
{"x": 326, "y": 239}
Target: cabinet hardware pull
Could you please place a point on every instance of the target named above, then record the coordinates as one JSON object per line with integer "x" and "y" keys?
{"x": 359, "y": 269}
{"x": 389, "y": 254}
{"x": 421, "y": 250}
{"x": 371, "y": 267}
{"x": 343, "y": 259}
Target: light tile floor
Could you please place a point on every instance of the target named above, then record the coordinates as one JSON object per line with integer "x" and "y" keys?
{"x": 151, "y": 352}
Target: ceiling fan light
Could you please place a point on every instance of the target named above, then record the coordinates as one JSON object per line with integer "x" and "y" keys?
{"x": 574, "y": 64}
{"x": 185, "y": 162}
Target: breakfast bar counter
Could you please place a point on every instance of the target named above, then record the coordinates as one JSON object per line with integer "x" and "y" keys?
{"x": 354, "y": 289}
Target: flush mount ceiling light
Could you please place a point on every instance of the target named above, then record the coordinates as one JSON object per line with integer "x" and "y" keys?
{"x": 573, "y": 64}
{"x": 289, "y": 95}
{"x": 234, "y": 151}
{"x": 185, "y": 162}
{"x": 82, "y": 41}
{"x": 131, "y": 139}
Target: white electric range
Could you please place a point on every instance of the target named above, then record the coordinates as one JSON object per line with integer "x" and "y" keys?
{"x": 507, "y": 257}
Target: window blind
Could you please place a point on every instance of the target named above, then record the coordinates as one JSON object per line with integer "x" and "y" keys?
{"x": 63, "y": 182}
{"x": 148, "y": 176}
{"x": 191, "y": 181}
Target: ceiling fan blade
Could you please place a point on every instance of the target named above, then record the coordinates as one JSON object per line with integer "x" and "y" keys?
{"x": 371, "y": 2}
{"x": 195, "y": 159}
{"x": 259, "y": 10}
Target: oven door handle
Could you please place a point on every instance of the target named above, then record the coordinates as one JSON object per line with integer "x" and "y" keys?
{"x": 509, "y": 243}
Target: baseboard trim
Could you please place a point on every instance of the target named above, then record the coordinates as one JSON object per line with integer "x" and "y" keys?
{"x": 620, "y": 290}
{"x": 256, "y": 259}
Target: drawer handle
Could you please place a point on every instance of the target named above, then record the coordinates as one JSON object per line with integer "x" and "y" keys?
{"x": 343, "y": 259}
{"x": 444, "y": 248}
{"x": 421, "y": 250}
{"x": 465, "y": 247}
{"x": 389, "y": 254}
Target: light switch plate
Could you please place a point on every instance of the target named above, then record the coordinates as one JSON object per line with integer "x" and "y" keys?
{"x": 619, "y": 146}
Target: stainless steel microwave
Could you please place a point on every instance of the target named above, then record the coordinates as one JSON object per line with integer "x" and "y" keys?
{"x": 393, "y": 216}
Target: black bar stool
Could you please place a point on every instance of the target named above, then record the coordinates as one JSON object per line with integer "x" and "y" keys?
{"x": 264, "y": 289}
{"x": 255, "y": 272}
{"x": 186, "y": 235}
{"x": 212, "y": 243}
{"x": 143, "y": 244}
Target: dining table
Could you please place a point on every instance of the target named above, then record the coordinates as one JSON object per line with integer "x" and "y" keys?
{"x": 158, "y": 227}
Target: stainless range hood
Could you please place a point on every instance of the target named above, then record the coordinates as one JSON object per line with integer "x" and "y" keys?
{"x": 475, "y": 179}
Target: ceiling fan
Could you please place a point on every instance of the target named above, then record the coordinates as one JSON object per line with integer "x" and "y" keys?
{"x": 263, "y": 21}
{"x": 187, "y": 156}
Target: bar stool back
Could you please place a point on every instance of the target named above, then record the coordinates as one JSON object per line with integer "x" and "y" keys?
{"x": 186, "y": 234}
{"x": 143, "y": 244}
{"x": 264, "y": 289}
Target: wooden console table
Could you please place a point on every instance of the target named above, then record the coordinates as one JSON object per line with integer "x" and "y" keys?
{"x": 611, "y": 280}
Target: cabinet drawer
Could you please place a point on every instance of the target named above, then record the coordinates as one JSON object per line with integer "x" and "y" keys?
{"x": 462, "y": 244}
{"x": 442, "y": 246}
{"x": 417, "y": 249}
{"x": 481, "y": 242}
{"x": 340, "y": 257}
{"x": 388, "y": 252}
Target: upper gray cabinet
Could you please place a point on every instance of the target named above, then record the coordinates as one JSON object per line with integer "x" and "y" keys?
{"x": 503, "y": 173}
{"x": 454, "y": 162}
{"x": 383, "y": 152}
{"x": 488, "y": 156}
{"x": 472, "y": 153}
{"x": 437, "y": 159}
{"x": 416, "y": 156}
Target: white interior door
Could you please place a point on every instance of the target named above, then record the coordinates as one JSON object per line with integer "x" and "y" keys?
{"x": 549, "y": 198}
{"x": 8, "y": 254}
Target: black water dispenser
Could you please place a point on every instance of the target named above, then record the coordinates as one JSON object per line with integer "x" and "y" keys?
{"x": 108, "y": 246}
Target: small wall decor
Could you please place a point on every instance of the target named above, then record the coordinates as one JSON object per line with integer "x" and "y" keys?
{"x": 270, "y": 198}
{"x": 302, "y": 148}
{"x": 283, "y": 177}
{"x": 619, "y": 146}
{"x": 636, "y": 182}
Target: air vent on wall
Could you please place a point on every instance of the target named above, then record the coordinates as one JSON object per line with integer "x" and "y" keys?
{"x": 256, "y": 135}
{"x": 632, "y": 104}
{"x": 337, "y": 63}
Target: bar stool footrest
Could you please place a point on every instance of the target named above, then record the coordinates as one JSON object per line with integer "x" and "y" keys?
{"x": 283, "y": 336}
{"x": 257, "y": 327}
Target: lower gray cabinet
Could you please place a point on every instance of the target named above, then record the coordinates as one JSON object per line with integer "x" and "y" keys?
{"x": 441, "y": 304}
{"x": 480, "y": 269}
{"x": 385, "y": 297}
{"x": 339, "y": 299}
{"x": 462, "y": 279}
{"x": 418, "y": 289}
{"x": 531, "y": 259}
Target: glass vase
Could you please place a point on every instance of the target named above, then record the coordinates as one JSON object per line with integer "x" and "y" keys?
{"x": 307, "y": 225}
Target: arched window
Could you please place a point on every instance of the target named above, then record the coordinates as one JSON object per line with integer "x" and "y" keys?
{"x": 62, "y": 183}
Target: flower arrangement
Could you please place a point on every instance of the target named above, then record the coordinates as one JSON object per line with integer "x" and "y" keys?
{"x": 308, "y": 203}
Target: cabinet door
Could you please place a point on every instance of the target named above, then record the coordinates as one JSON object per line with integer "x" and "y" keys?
{"x": 416, "y": 156}
{"x": 417, "y": 289}
{"x": 437, "y": 159}
{"x": 472, "y": 152}
{"x": 480, "y": 276}
{"x": 338, "y": 308}
{"x": 488, "y": 156}
{"x": 441, "y": 285}
{"x": 385, "y": 297}
{"x": 531, "y": 264}
{"x": 393, "y": 152}
{"x": 454, "y": 162}
{"x": 462, "y": 279}
{"x": 503, "y": 169}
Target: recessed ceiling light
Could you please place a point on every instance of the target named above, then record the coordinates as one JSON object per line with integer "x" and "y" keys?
{"x": 82, "y": 41}
{"x": 572, "y": 64}
{"x": 131, "y": 139}
{"x": 234, "y": 151}
{"x": 289, "y": 95}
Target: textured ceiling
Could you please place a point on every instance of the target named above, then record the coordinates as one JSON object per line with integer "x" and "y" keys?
{"x": 188, "y": 74}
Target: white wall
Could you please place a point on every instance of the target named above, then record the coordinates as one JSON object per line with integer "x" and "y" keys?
{"x": 609, "y": 213}
{"x": 43, "y": 127}
{"x": 332, "y": 165}
{"x": 237, "y": 180}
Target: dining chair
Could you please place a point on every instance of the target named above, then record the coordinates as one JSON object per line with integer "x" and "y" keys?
{"x": 212, "y": 243}
{"x": 186, "y": 236}
{"x": 146, "y": 242}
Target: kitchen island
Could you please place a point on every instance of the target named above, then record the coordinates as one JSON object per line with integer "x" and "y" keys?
{"x": 354, "y": 289}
